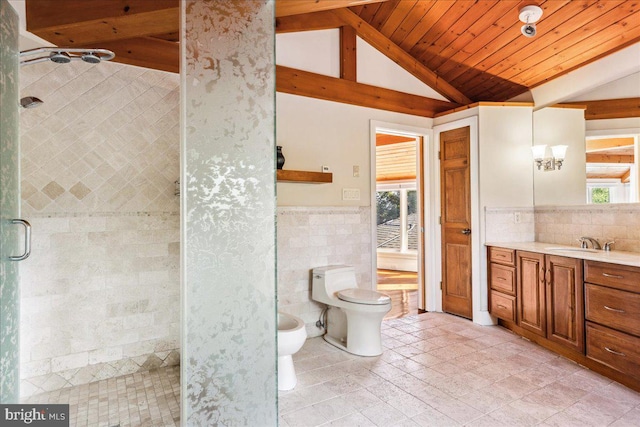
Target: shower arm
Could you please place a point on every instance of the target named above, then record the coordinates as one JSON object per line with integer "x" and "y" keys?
{"x": 105, "y": 55}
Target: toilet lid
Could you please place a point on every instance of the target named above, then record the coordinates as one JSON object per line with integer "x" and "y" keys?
{"x": 363, "y": 296}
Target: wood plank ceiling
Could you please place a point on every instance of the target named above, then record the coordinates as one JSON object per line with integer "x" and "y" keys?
{"x": 469, "y": 51}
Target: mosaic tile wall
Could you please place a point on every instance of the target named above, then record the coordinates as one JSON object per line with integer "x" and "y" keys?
{"x": 310, "y": 237}
{"x": 9, "y": 204}
{"x": 228, "y": 373}
{"x": 565, "y": 224}
{"x": 100, "y": 292}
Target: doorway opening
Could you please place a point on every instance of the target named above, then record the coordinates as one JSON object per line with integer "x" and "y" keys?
{"x": 399, "y": 220}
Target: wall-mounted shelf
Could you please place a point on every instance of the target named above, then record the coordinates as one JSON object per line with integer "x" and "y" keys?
{"x": 304, "y": 176}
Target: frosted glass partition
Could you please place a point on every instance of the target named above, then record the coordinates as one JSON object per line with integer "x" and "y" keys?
{"x": 228, "y": 214}
{"x": 9, "y": 204}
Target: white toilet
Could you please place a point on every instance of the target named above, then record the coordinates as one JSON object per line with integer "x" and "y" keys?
{"x": 291, "y": 337}
{"x": 355, "y": 315}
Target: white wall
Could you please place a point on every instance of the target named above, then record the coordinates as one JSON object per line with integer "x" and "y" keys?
{"x": 568, "y": 186}
{"x": 314, "y": 133}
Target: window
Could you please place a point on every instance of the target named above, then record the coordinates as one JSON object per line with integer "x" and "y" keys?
{"x": 600, "y": 195}
{"x": 397, "y": 218}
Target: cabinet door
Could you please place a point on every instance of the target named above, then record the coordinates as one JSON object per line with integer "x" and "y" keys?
{"x": 565, "y": 306}
{"x": 531, "y": 292}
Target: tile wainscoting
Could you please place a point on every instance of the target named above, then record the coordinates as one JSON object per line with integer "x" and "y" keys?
{"x": 100, "y": 298}
{"x": 310, "y": 237}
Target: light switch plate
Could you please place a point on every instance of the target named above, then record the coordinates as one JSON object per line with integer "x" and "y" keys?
{"x": 350, "y": 194}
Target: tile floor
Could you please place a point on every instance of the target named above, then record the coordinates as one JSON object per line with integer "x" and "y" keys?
{"x": 441, "y": 370}
{"x": 150, "y": 398}
{"x": 437, "y": 370}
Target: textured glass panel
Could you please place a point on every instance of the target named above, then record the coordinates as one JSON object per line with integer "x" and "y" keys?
{"x": 229, "y": 318}
{"x": 9, "y": 204}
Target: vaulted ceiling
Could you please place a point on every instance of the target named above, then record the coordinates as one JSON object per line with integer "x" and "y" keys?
{"x": 466, "y": 50}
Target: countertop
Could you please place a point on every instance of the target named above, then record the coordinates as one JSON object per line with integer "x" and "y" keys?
{"x": 614, "y": 257}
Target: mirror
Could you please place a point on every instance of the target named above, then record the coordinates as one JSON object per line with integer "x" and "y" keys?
{"x": 600, "y": 167}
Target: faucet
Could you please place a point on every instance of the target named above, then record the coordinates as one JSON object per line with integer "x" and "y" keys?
{"x": 594, "y": 243}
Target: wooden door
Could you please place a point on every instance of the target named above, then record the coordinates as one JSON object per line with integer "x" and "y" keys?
{"x": 455, "y": 190}
{"x": 531, "y": 302}
{"x": 565, "y": 309}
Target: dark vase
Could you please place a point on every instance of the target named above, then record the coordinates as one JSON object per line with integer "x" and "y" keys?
{"x": 279, "y": 156}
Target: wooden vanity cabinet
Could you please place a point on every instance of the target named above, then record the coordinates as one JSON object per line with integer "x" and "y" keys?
{"x": 613, "y": 316}
{"x": 502, "y": 283}
{"x": 550, "y": 298}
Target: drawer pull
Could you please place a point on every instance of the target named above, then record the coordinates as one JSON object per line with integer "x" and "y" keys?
{"x": 613, "y": 276}
{"x": 617, "y": 353}
{"x": 617, "y": 310}
{"x": 502, "y": 307}
{"x": 502, "y": 278}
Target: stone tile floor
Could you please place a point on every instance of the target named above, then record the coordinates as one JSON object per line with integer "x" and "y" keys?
{"x": 437, "y": 370}
{"x": 441, "y": 370}
{"x": 150, "y": 398}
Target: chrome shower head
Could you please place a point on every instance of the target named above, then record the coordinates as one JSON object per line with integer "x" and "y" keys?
{"x": 65, "y": 55}
{"x": 30, "y": 102}
{"x": 60, "y": 57}
{"x": 90, "y": 57}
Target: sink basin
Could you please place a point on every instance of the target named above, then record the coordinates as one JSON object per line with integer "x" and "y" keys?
{"x": 571, "y": 249}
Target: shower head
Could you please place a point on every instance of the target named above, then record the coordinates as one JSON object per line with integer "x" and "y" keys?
{"x": 60, "y": 57}
{"x": 30, "y": 102}
{"x": 66, "y": 55}
{"x": 90, "y": 57}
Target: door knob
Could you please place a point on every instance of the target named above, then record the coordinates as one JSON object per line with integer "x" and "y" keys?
{"x": 466, "y": 231}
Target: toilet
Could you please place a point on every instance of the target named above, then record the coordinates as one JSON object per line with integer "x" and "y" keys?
{"x": 291, "y": 337}
{"x": 355, "y": 315}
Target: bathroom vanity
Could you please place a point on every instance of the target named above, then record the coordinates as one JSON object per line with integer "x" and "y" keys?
{"x": 583, "y": 304}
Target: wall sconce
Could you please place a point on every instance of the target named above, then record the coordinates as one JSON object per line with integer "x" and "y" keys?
{"x": 558, "y": 154}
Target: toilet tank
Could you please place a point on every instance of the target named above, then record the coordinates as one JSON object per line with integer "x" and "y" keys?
{"x": 331, "y": 279}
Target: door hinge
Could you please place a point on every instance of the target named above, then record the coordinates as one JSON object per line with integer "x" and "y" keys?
{"x": 440, "y": 220}
{"x": 441, "y": 285}
{"x": 439, "y": 155}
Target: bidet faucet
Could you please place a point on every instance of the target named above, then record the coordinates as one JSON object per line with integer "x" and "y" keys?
{"x": 594, "y": 243}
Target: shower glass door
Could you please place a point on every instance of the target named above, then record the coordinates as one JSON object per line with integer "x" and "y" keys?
{"x": 9, "y": 205}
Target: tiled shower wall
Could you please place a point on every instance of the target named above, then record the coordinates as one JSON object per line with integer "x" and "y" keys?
{"x": 565, "y": 224}
{"x": 100, "y": 292}
{"x": 310, "y": 237}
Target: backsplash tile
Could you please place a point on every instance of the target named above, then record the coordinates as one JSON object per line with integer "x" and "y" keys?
{"x": 566, "y": 224}
{"x": 310, "y": 237}
{"x": 509, "y": 224}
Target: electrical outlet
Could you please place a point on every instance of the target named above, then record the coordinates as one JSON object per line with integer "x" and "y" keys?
{"x": 356, "y": 171}
{"x": 350, "y": 194}
{"x": 326, "y": 169}
{"x": 517, "y": 217}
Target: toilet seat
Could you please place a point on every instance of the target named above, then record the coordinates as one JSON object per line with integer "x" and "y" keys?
{"x": 363, "y": 296}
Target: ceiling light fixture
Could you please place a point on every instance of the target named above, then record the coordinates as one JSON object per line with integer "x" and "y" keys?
{"x": 529, "y": 15}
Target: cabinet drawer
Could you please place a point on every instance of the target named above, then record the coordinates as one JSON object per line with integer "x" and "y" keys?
{"x": 612, "y": 275}
{"x": 501, "y": 255}
{"x": 503, "y": 306}
{"x": 614, "y": 308}
{"x": 503, "y": 278}
{"x": 616, "y": 349}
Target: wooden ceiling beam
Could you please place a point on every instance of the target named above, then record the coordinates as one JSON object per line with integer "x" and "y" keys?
{"x": 308, "y": 22}
{"x": 610, "y": 143}
{"x": 626, "y": 177}
{"x": 608, "y": 158}
{"x": 297, "y": 7}
{"x": 376, "y": 39}
{"x": 348, "y": 59}
{"x": 612, "y": 108}
{"x": 73, "y": 23}
{"x": 148, "y": 52}
{"x": 304, "y": 83}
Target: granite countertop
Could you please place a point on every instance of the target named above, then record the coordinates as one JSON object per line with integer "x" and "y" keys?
{"x": 614, "y": 257}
